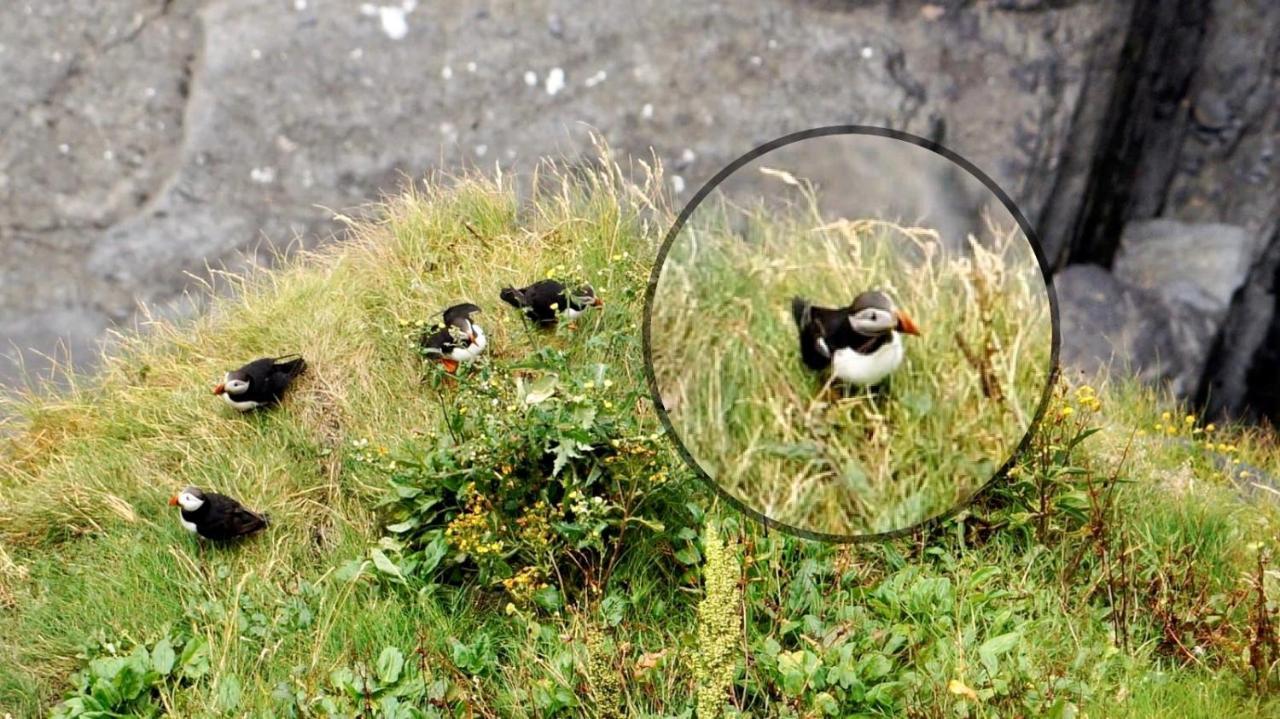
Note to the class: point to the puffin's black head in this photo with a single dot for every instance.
(234, 383)
(190, 499)
(874, 313)
(512, 296)
(584, 297)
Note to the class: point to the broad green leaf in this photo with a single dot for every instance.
(229, 693)
(390, 664)
(990, 651)
(193, 663)
(400, 527)
(613, 607)
(385, 565)
(163, 657)
(541, 390)
(689, 555)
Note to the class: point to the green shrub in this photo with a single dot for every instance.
(545, 470)
(116, 683)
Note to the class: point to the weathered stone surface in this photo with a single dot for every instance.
(146, 138)
(1228, 170)
(1200, 265)
(1240, 378)
(1109, 325)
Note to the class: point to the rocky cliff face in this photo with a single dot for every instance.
(1183, 203)
(147, 138)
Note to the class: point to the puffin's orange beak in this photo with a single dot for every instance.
(173, 501)
(905, 325)
(220, 389)
(598, 302)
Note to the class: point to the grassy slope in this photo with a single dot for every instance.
(758, 420)
(88, 546)
(83, 489)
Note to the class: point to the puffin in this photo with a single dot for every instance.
(457, 340)
(861, 344)
(261, 383)
(545, 300)
(215, 516)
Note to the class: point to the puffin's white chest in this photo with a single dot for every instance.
(571, 313)
(189, 526)
(244, 406)
(867, 369)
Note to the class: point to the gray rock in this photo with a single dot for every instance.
(145, 139)
(1226, 169)
(1108, 325)
(1198, 264)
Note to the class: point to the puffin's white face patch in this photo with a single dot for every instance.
(872, 321)
(867, 369)
(236, 386)
(476, 348)
(190, 502)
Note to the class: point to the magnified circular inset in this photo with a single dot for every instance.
(850, 331)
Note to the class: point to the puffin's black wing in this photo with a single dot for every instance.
(228, 519)
(817, 327)
(539, 301)
(258, 370)
(544, 300)
(283, 371)
(455, 314)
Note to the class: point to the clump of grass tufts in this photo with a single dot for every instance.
(765, 427)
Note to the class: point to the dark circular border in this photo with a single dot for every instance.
(1027, 230)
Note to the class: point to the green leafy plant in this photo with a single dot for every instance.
(393, 686)
(115, 683)
(548, 467)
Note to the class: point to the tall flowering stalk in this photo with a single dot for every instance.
(719, 624)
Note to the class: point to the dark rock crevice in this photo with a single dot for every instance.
(1239, 379)
(1145, 122)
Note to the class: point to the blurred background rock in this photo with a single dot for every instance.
(144, 139)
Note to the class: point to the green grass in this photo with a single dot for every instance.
(769, 431)
(1017, 604)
